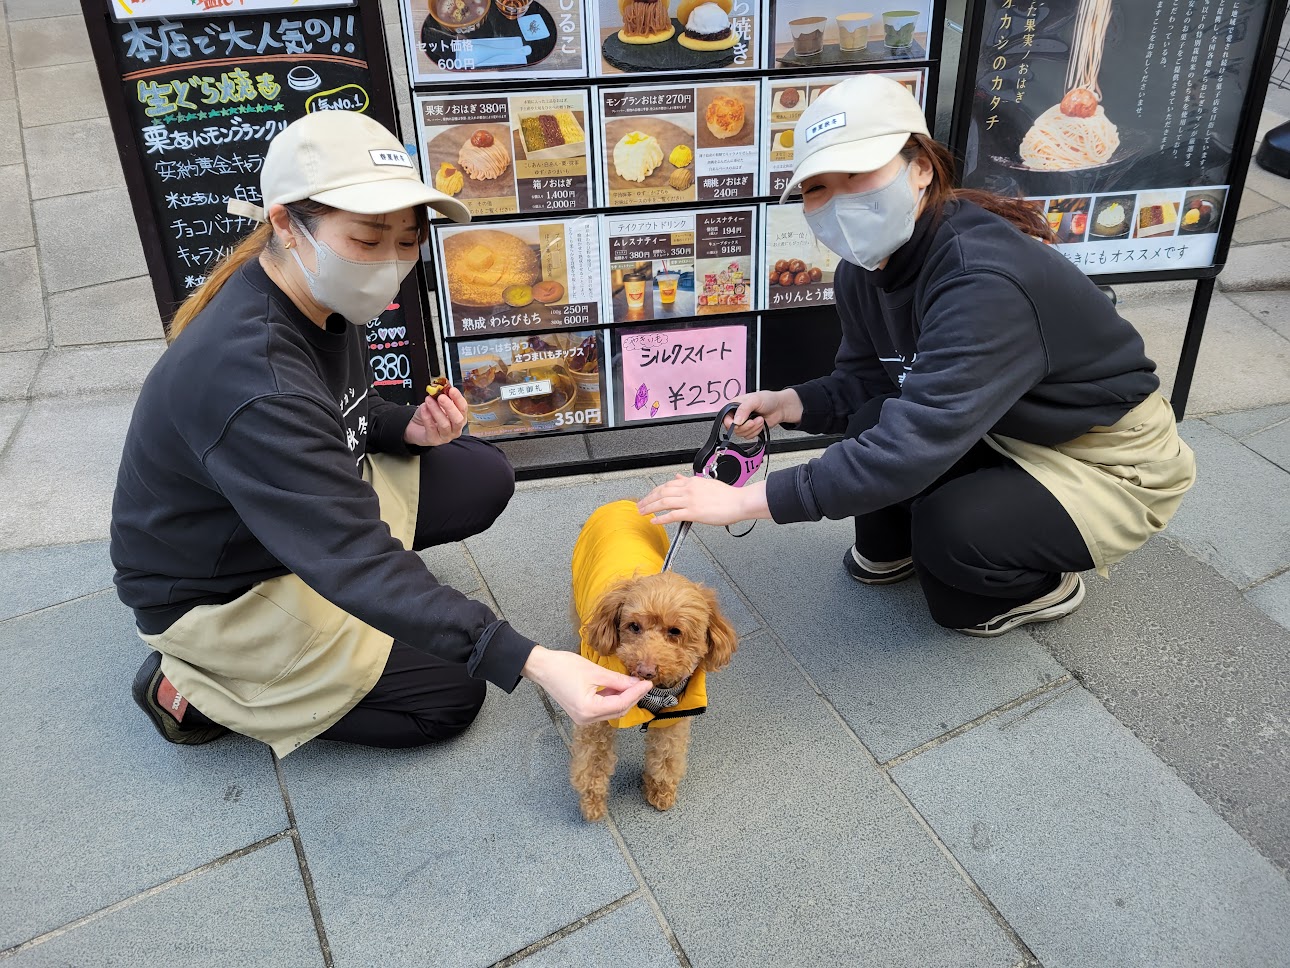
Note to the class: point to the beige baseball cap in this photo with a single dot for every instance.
(857, 125)
(348, 161)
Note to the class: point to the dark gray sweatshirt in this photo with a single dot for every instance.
(243, 463)
(972, 328)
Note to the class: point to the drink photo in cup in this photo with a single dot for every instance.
(845, 34)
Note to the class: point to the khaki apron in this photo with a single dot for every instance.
(1120, 484)
(280, 663)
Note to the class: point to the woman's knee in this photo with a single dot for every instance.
(430, 726)
(492, 479)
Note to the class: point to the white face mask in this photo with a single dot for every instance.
(867, 227)
(359, 291)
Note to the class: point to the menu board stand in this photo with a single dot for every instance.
(674, 248)
(194, 98)
(1181, 88)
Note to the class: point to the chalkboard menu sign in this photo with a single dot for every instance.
(195, 102)
(1120, 120)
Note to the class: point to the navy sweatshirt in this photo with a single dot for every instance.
(972, 328)
(243, 462)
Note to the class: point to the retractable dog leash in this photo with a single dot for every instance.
(727, 459)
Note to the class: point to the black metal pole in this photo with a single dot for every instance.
(1191, 346)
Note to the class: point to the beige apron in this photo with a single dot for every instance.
(280, 663)
(1120, 484)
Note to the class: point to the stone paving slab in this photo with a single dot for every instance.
(1268, 307)
(59, 471)
(10, 137)
(1242, 363)
(10, 415)
(121, 311)
(15, 209)
(40, 577)
(451, 566)
(115, 369)
(22, 324)
(1094, 851)
(52, 95)
(628, 936)
(49, 42)
(896, 677)
(37, 9)
(8, 91)
(1198, 674)
(1243, 423)
(1234, 517)
(1272, 443)
(74, 157)
(96, 807)
(1257, 267)
(454, 855)
(1252, 204)
(1273, 226)
(250, 912)
(17, 370)
(79, 249)
(530, 577)
(787, 847)
(1273, 598)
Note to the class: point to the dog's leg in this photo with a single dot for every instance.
(592, 766)
(665, 760)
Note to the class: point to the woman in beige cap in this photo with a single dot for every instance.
(1003, 428)
(269, 503)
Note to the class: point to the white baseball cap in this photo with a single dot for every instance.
(348, 161)
(855, 126)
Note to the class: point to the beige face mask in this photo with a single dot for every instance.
(359, 291)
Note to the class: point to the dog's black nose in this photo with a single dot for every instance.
(645, 670)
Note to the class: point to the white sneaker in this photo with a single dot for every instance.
(1060, 602)
(876, 572)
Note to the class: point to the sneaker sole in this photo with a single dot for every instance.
(899, 575)
(1049, 613)
(145, 685)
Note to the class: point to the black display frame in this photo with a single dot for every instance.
(1242, 154)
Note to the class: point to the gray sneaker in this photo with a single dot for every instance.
(1058, 603)
(876, 572)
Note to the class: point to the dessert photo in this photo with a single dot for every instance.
(804, 34)
(1202, 211)
(1157, 214)
(493, 38)
(799, 268)
(659, 36)
(652, 153)
(557, 134)
(1112, 217)
(473, 161)
(726, 115)
(723, 285)
(1068, 218)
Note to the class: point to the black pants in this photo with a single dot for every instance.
(421, 698)
(985, 537)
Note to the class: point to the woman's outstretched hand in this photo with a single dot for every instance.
(766, 407)
(439, 420)
(704, 501)
(588, 692)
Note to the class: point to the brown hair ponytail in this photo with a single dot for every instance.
(942, 190)
(249, 248)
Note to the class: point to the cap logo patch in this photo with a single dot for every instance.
(826, 124)
(390, 157)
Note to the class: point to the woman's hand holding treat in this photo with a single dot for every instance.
(439, 420)
(589, 693)
(766, 407)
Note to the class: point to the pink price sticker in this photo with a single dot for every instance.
(683, 372)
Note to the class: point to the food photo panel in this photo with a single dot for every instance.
(675, 36)
(799, 269)
(783, 101)
(531, 383)
(804, 34)
(451, 41)
(501, 154)
(514, 276)
(668, 144)
(674, 265)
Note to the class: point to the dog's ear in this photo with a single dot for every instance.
(601, 627)
(722, 639)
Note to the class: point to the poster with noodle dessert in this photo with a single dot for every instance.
(502, 154)
(1115, 110)
(675, 36)
(530, 384)
(783, 101)
(669, 144)
(513, 276)
(841, 35)
(677, 265)
(798, 267)
(456, 41)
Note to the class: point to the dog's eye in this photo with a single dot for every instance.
(633, 627)
(674, 632)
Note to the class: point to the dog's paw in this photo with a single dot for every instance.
(593, 808)
(661, 796)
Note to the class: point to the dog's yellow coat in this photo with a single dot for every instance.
(618, 542)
